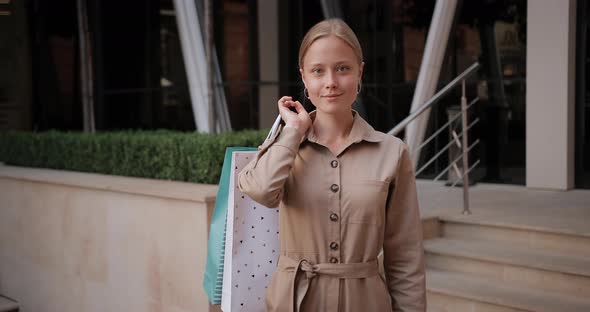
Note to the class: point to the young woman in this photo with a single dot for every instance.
(344, 192)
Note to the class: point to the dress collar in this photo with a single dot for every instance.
(361, 131)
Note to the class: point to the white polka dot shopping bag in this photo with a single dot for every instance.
(243, 241)
(251, 248)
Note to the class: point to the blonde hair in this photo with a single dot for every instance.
(330, 27)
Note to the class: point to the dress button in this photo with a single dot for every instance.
(333, 260)
(334, 163)
(334, 245)
(334, 217)
(334, 188)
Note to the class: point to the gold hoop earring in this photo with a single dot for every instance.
(358, 90)
(305, 92)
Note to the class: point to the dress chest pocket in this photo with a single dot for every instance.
(365, 201)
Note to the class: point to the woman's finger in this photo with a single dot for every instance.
(284, 99)
(299, 107)
(286, 105)
(285, 111)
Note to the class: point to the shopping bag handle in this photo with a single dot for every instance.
(274, 128)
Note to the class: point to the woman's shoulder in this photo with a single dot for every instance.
(390, 140)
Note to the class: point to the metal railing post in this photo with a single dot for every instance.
(465, 170)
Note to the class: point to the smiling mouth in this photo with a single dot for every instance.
(331, 95)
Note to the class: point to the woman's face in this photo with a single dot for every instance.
(331, 74)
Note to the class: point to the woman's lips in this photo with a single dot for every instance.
(331, 96)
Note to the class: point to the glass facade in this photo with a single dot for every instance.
(140, 81)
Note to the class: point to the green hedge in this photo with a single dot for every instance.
(157, 154)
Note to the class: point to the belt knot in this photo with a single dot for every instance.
(300, 283)
(311, 270)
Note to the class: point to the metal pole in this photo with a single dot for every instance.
(85, 67)
(209, 54)
(465, 152)
(430, 68)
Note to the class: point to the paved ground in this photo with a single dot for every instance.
(562, 210)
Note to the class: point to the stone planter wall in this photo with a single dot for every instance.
(87, 242)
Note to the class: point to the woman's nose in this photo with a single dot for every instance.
(330, 81)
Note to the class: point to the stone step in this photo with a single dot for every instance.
(7, 305)
(560, 240)
(569, 274)
(457, 292)
(438, 302)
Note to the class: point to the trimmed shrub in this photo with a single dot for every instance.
(160, 154)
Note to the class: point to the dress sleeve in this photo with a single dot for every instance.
(263, 179)
(402, 246)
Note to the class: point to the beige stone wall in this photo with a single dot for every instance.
(550, 94)
(88, 242)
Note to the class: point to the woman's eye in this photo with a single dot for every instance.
(316, 71)
(343, 68)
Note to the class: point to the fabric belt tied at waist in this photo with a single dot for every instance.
(304, 271)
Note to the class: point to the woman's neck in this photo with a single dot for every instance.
(331, 128)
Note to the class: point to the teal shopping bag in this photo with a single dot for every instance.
(213, 281)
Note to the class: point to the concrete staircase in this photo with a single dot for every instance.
(7, 305)
(478, 265)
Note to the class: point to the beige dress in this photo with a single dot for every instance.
(336, 213)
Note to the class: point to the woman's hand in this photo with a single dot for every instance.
(299, 120)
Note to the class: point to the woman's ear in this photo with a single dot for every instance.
(302, 78)
(361, 70)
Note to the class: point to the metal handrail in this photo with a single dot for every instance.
(442, 150)
(454, 161)
(443, 127)
(464, 75)
(465, 173)
(464, 176)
